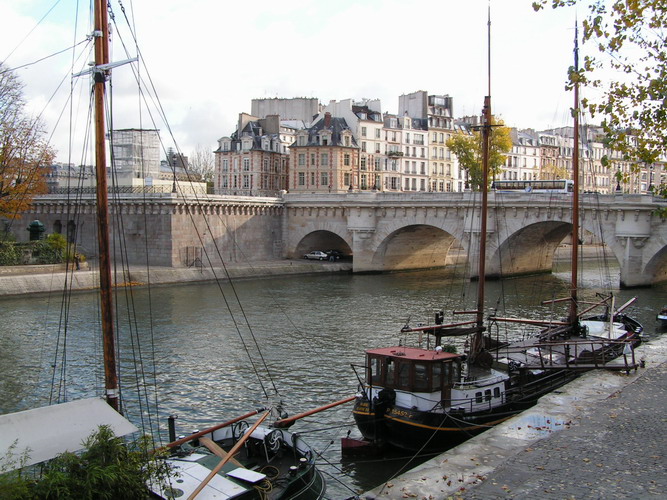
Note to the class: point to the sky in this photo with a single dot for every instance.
(207, 59)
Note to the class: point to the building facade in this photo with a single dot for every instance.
(254, 160)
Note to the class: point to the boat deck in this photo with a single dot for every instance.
(574, 354)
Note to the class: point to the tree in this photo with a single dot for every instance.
(468, 151)
(25, 155)
(202, 163)
(630, 39)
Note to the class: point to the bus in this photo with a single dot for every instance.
(534, 186)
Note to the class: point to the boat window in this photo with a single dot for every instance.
(404, 375)
(487, 395)
(478, 397)
(496, 392)
(389, 377)
(421, 377)
(375, 371)
(436, 370)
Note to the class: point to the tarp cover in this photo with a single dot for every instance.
(44, 433)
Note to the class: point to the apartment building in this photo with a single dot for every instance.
(437, 111)
(325, 158)
(254, 160)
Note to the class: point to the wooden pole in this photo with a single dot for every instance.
(106, 300)
(230, 454)
(284, 422)
(198, 434)
(573, 316)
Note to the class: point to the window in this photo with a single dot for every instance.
(487, 395)
(377, 133)
(312, 178)
(302, 179)
(363, 131)
(478, 397)
(302, 159)
(363, 146)
(364, 181)
(346, 159)
(375, 371)
(403, 375)
(347, 140)
(346, 179)
(362, 166)
(324, 159)
(246, 164)
(246, 181)
(421, 379)
(266, 165)
(390, 373)
(225, 165)
(324, 179)
(496, 392)
(377, 147)
(312, 159)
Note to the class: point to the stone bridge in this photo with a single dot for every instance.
(382, 231)
(385, 231)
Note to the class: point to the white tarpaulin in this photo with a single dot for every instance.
(46, 432)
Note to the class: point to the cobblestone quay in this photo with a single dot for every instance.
(616, 450)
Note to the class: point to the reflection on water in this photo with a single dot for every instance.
(307, 331)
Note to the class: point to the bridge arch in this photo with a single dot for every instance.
(321, 239)
(414, 246)
(528, 250)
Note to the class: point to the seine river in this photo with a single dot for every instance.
(207, 367)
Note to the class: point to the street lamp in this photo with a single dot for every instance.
(618, 181)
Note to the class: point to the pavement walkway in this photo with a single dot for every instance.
(603, 436)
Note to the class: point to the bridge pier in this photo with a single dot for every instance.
(632, 265)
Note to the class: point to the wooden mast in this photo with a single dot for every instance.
(101, 34)
(575, 195)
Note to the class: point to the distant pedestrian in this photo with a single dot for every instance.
(77, 261)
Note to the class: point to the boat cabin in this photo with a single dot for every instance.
(412, 369)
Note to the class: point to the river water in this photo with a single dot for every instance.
(200, 361)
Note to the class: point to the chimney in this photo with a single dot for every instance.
(327, 119)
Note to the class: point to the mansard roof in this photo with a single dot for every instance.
(336, 126)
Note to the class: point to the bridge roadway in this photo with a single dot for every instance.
(382, 231)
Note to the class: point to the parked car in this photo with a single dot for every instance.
(316, 255)
(334, 255)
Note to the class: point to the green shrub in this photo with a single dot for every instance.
(51, 250)
(10, 254)
(108, 468)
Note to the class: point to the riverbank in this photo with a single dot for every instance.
(21, 280)
(601, 436)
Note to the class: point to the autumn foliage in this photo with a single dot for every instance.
(25, 155)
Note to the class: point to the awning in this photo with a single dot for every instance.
(44, 433)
